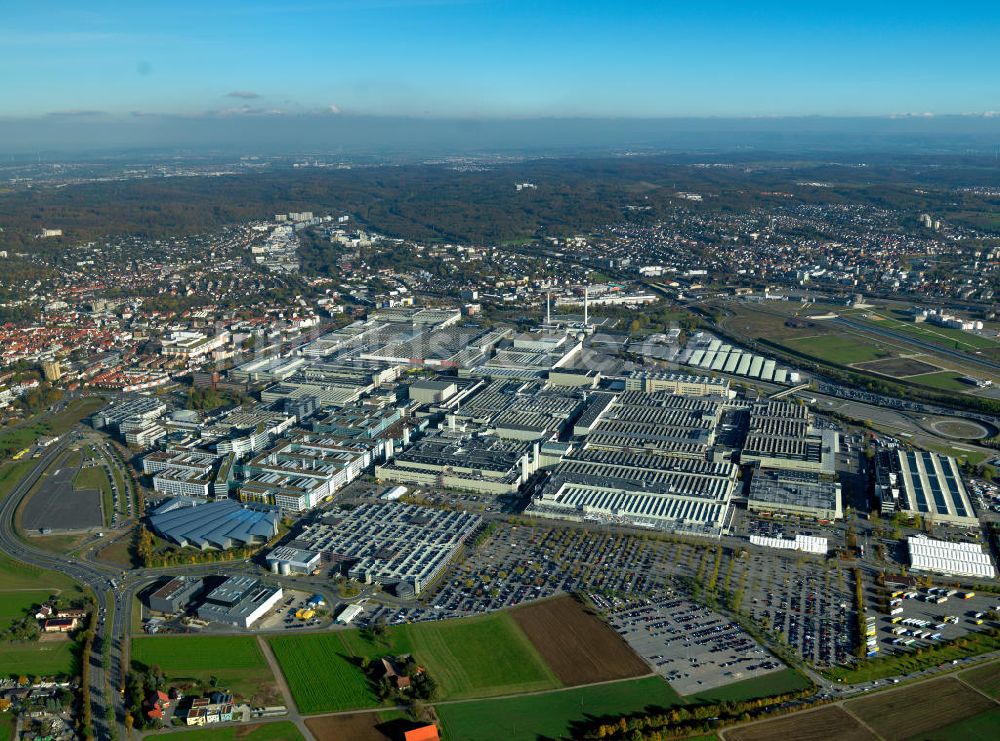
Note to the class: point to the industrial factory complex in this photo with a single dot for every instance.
(423, 402)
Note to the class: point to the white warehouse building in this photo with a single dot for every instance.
(945, 557)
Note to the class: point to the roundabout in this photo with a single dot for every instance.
(959, 429)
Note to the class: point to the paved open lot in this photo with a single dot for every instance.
(921, 617)
(293, 612)
(692, 647)
(522, 563)
(58, 506)
(811, 603)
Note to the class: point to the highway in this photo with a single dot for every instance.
(929, 346)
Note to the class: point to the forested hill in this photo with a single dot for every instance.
(435, 202)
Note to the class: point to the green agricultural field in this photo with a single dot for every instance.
(236, 662)
(776, 323)
(38, 658)
(984, 678)
(961, 452)
(981, 727)
(21, 588)
(60, 543)
(75, 411)
(13, 439)
(787, 680)
(843, 349)
(477, 657)
(551, 714)
(18, 437)
(15, 605)
(92, 477)
(16, 576)
(7, 727)
(945, 380)
(11, 472)
(279, 731)
(321, 674)
(473, 657)
(21, 582)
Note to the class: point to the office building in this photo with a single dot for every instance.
(175, 595)
(239, 601)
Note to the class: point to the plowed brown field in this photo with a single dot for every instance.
(578, 646)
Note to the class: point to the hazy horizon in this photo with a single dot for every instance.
(352, 135)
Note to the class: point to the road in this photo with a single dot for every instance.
(91, 575)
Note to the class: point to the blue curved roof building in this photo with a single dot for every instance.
(222, 524)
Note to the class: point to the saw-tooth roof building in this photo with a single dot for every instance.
(398, 545)
(660, 422)
(639, 489)
(781, 436)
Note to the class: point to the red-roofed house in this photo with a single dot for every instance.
(422, 733)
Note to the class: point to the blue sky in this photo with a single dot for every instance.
(498, 59)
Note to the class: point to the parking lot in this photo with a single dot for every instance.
(519, 563)
(57, 505)
(922, 617)
(691, 646)
(808, 601)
